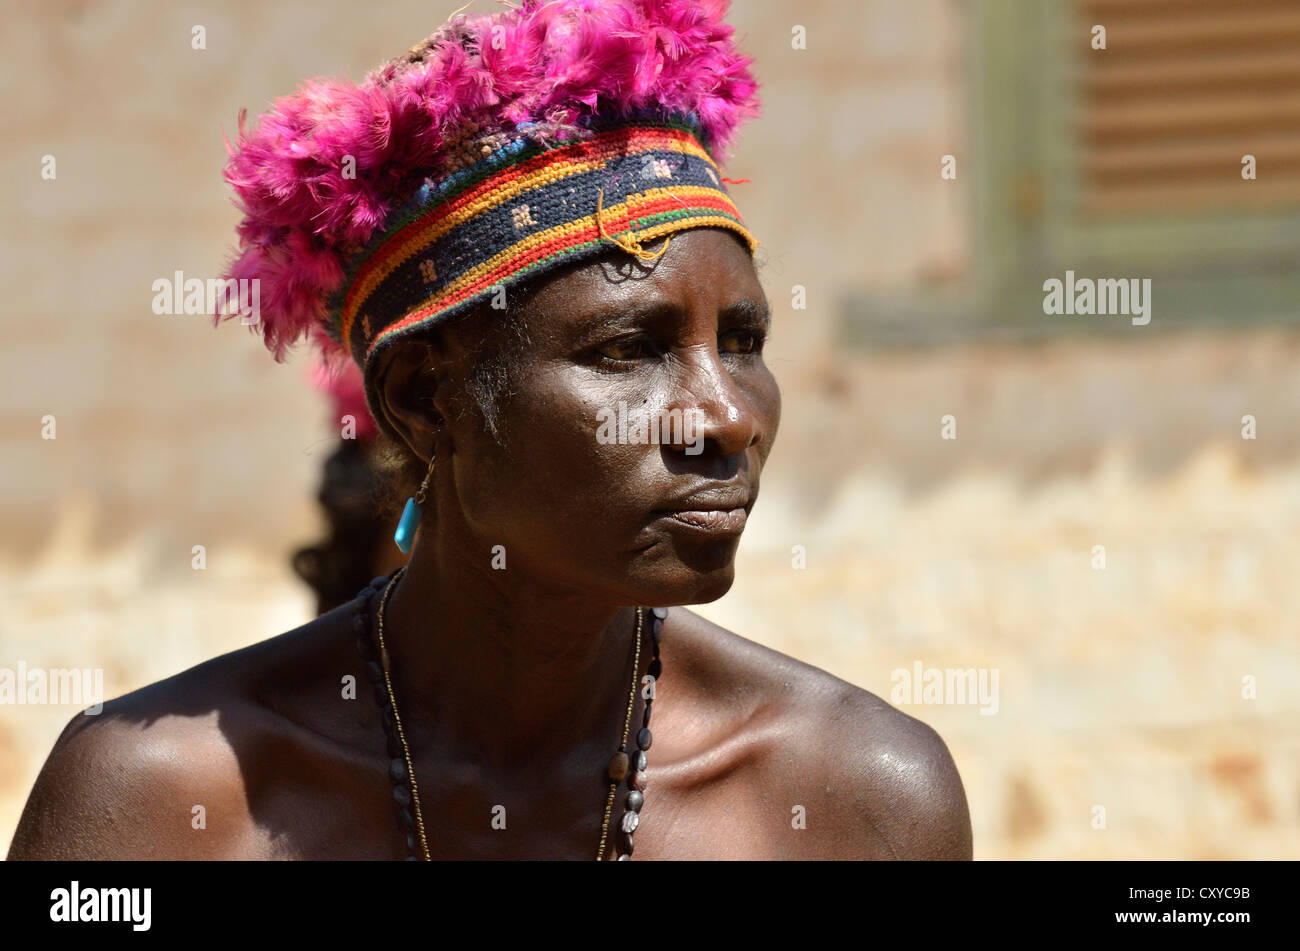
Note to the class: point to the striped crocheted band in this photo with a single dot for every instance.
(520, 211)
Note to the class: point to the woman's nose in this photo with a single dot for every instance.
(712, 407)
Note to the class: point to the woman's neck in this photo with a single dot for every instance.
(501, 667)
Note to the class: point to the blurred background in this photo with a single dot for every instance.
(1161, 688)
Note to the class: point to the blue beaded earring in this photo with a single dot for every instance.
(405, 533)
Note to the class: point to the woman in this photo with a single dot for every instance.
(519, 232)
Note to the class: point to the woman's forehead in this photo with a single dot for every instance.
(703, 269)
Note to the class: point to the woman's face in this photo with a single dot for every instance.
(578, 503)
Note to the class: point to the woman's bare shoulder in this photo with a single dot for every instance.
(159, 772)
(881, 783)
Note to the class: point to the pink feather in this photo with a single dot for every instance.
(552, 62)
(342, 382)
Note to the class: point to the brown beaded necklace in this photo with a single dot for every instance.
(401, 769)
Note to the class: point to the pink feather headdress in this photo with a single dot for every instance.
(321, 175)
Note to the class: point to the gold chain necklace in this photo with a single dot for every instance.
(384, 659)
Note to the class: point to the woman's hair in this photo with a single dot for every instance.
(366, 481)
(497, 341)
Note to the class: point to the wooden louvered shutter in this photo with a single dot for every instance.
(1126, 162)
(1184, 90)
(1120, 163)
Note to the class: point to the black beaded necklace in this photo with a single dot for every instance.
(401, 769)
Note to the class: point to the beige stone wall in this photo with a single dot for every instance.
(1119, 688)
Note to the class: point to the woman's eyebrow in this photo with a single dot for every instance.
(747, 311)
(633, 313)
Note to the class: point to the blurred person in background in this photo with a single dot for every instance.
(358, 514)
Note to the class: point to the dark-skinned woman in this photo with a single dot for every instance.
(520, 233)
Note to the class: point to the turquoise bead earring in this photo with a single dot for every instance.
(405, 533)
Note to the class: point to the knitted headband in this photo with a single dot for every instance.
(501, 148)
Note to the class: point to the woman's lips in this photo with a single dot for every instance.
(714, 521)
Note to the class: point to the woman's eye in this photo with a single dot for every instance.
(739, 342)
(742, 341)
(632, 348)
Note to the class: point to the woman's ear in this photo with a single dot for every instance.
(411, 394)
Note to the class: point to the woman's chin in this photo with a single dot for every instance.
(691, 587)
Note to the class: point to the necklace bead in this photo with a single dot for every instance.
(618, 764)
